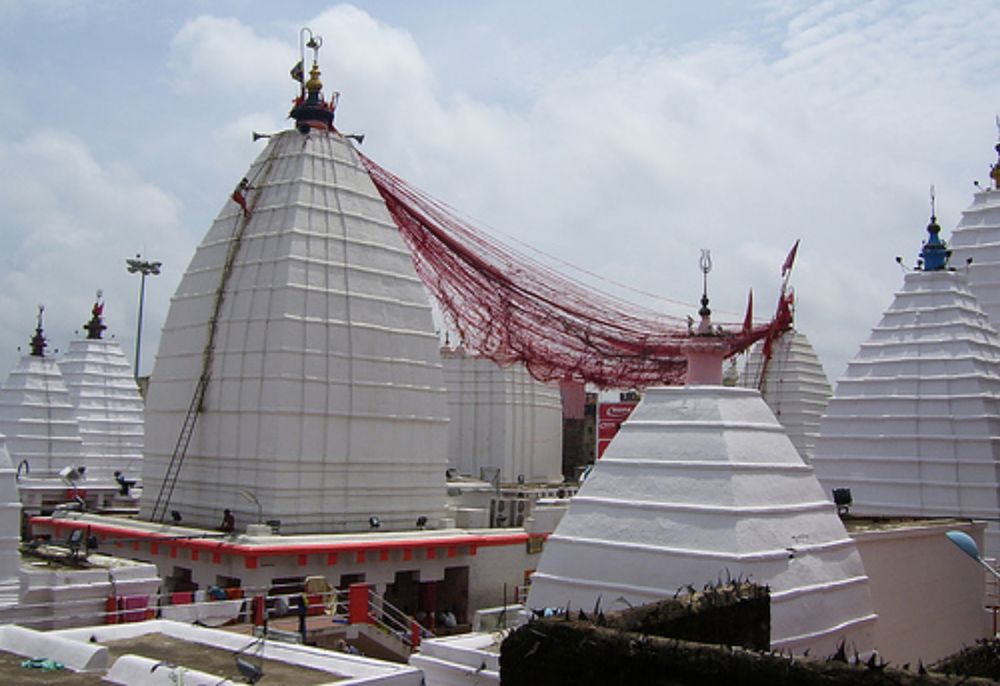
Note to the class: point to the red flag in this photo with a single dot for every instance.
(748, 318)
(787, 266)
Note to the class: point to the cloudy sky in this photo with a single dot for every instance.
(621, 139)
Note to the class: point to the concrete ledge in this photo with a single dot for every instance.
(135, 669)
(75, 655)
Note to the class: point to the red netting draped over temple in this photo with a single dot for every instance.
(511, 308)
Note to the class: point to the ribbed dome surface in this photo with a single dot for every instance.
(501, 418)
(326, 399)
(978, 236)
(107, 405)
(700, 483)
(914, 425)
(38, 419)
(794, 386)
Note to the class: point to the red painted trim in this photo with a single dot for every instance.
(360, 557)
(452, 552)
(194, 554)
(154, 548)
(216, 557)
(331, 559)
(303, 560)
(252, 553)
(383, 555)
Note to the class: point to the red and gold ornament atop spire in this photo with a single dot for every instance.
(311, 110)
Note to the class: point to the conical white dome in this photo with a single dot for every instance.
(794, 386)
(326, 399)
(702, 482)
(38, 419)
(977, 236)
(502, 418)
(107, 405)
(912, 428)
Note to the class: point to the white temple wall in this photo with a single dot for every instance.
(77, 597)
(501, 418)
(928, 595)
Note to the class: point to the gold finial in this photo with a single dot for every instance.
(314, 85)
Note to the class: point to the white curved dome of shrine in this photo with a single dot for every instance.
(501, 418)
(794, 386)
(702, 483)
(325, 399)
(107, 405)
(912, 427)
(977, 236)
(38, 419)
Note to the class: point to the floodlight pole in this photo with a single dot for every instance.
(144, 268)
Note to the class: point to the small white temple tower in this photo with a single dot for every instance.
(37, 416)
(914, 424)
(977, 238)
(793, 384)
(501, 418)
(107, 403)
(700, 484)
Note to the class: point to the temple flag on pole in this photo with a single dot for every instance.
(298, 72)
(790, 260)
(748, 318)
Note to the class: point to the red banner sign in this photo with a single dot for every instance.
(610, 417)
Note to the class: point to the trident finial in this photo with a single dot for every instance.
(705, 262)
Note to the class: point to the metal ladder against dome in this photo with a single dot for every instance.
(166, 491)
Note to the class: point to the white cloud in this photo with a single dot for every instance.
(829, 128)
(634, 160)
(70, 222)
(224, 56)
